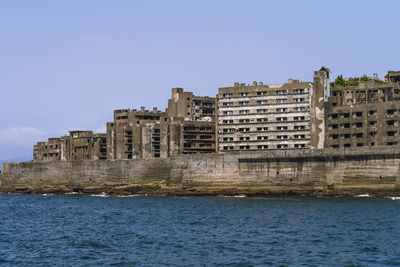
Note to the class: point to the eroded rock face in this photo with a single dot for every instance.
(330, 172)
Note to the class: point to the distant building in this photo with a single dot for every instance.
(79, 145)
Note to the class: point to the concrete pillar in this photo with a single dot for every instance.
(319, 96)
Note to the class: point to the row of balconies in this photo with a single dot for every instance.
(262, 147)
(260, 103)
(284, 92)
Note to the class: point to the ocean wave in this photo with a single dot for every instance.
(394, 198)
(363, 195)
(103, 194)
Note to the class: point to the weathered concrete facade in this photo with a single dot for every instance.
(79, 145)
(191, 137)
(262, 117)
(191, 128)
(193, 108)
(364, 115)
(137, 134)
(319, 98)
(187, 127)
(327, 171)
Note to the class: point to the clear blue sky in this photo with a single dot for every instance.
(68, 64)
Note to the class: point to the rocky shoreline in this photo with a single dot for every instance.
(163, 190)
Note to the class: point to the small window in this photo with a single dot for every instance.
(334, 136)
(282, 137)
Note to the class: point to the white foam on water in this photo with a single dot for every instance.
(394, 198)
(131, 196)
(99, 195)
(47, 194)
(240, 196)
(363, 195)
(73, 193)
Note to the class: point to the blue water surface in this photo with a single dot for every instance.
(77, 230)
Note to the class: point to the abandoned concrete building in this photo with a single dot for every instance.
(259, 116)
(137, 134)
(366, 114)
(190, 107)
(186, 127)
(191, 128)
(292, 115)
(79, 145)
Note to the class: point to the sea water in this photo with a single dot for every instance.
(93, 230)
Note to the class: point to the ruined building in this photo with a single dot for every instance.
(293, 115)
(191, 127)
(186, 127)
(79, 145)
(137, 134)
(365, 114)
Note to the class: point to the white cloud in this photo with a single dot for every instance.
(22, 136)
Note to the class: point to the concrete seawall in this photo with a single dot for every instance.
(354, 171)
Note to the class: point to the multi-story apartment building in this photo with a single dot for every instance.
(191, 107)
(79, 145)
(137, 134)
(53, 149)
(191, 137)
(259, 116)
(186, 127)
(191, 127)
(366, 114)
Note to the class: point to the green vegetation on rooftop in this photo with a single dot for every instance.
(352, 81)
